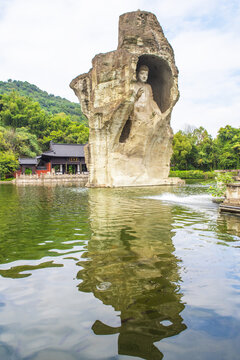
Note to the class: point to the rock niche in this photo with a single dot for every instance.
(128, 96)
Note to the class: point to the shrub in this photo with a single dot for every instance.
(8, 164)
(28, 171)
(219, 188)
(192, 174)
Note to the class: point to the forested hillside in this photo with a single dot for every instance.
(48, 102)
(26, 130)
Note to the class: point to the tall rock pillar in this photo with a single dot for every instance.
(128, 97)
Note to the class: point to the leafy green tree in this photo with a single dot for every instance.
(195, 149)
(219, 189)
(182, 147)
(3, 143)
(77, 133)
(204, 148)
(227, 146)
(19, 112)
(19, 141)
(8, 164)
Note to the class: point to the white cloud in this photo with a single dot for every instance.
(208, 61)
(183, 8)
(50, 42)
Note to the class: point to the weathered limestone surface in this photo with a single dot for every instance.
(130, 140)
(233, 194)
(232, 202)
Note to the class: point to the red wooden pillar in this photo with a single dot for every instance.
(48, 166)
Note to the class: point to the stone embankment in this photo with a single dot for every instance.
(232, 202)
(43, 179)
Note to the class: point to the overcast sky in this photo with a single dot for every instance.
(49, 42)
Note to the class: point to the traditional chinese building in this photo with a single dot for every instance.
(28, 163)
(61, 158)
(64, 158)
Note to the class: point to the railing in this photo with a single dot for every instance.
(50, 177)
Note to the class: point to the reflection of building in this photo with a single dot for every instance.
(229, 224)
(130, 265)
(63, 158)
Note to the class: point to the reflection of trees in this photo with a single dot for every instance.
(130, 265)
(37, 222)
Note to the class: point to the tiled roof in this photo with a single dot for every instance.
(65, 150)
(28, 161)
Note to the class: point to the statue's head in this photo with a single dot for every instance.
(142, 74)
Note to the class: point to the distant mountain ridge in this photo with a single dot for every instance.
(51, 103)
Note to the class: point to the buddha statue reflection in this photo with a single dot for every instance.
(130, 265)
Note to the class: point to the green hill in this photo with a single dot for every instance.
(48, 102)
(26, 127)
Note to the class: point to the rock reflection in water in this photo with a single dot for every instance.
(130, 265)
(228, 225)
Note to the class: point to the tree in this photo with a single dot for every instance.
(8, 164)
(19, 141)
(195, 149)
(18, 111)
(21, 112)
(219, 189)
(204, 148)
(182, 147)
(227, 146)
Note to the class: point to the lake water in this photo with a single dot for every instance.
(145, 273)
